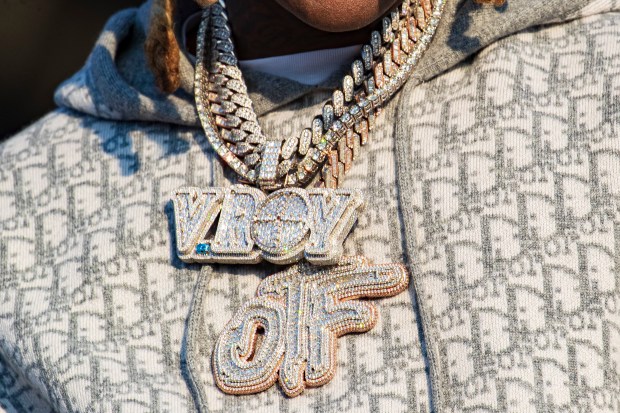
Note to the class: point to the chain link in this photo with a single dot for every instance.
(323, 153)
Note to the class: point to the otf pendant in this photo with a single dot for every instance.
(282, 228)
(288, 332)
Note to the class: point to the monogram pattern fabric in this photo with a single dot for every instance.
(514, 216)
(92, 312)
(497, 182)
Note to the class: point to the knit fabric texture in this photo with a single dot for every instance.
(493, 175)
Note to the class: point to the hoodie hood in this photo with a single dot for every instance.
(116, 83)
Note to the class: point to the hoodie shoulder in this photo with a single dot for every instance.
(115, 82)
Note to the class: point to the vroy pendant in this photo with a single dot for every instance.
(282, 228)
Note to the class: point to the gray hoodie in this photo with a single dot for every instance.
(493, 175)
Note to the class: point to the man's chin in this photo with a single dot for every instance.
(337, 15)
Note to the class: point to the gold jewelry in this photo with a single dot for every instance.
(289, 330)
(335, 136)
(299, 315)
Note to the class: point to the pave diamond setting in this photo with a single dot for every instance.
(230, 123)
(282, 228)
(289, 331)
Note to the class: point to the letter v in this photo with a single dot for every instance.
(195, 211)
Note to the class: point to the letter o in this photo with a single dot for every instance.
(281, 225)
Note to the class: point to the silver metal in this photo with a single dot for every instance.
(338, 100)
(348, 87)
(357, 68)
(281, 225)
(317, 130)
(335, 213)
(232, 242)
(290, 147)
(305, 140)
(367, 57)
(269, 164)
(224, 106)
(289, 225)
(328, 116)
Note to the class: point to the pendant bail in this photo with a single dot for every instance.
(267, 174)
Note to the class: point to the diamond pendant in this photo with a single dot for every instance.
(242, 225)
(289, 331)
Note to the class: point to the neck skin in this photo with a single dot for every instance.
(263, 28)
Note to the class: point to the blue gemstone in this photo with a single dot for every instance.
(202, 249)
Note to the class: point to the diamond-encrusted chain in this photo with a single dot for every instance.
(324, 152)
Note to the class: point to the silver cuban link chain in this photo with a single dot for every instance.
(324, 152)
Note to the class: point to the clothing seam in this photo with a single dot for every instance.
(195, 313)
(435, 399)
